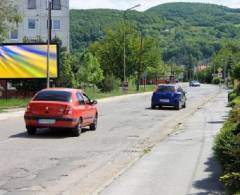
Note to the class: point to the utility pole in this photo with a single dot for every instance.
(49, 39)
(140, 63)
(124, 47)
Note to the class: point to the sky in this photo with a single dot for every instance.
(145, 4)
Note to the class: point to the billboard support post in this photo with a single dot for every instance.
(49, 39)
(6, 89)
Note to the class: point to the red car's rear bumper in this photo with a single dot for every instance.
(60, 122)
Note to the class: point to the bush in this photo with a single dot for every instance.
(237, 88)
(110, 83)
(235, 114)
(227, 150)
(216, 80)
(232, 182)
(227, 147)
(231, 96)
(235, 101)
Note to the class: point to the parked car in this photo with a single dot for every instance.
(194, 84)
(169, 95)
(61, 108)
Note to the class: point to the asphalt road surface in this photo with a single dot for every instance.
(181, 164)
(53, 162)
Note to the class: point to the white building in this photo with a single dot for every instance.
(34, 25)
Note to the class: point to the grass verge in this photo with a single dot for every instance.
(93, 93)
(12, 103)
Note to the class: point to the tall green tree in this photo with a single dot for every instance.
(90, 71)
(141, 51)
(66, 75)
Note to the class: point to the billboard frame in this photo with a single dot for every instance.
(38, 43)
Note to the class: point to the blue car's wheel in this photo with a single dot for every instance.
(153, 106)
(184, 105)
(178, 106)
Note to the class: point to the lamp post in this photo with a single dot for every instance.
(124, 41)
(49, 39)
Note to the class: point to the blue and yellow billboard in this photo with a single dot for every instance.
(24, 61)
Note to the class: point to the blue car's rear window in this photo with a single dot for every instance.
(163, 89)
(59, 96)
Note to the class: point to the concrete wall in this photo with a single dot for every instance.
(40, 15)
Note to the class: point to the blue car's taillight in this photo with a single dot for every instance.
(177, 95)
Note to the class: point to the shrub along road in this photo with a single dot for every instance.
(53, 162)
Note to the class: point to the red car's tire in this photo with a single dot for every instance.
(31, 130)
(77, 130)
(93, 126)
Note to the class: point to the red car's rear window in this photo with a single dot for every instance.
(58, 96)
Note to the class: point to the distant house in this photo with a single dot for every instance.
(34, 26)
(201, 67)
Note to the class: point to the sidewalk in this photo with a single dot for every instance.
(183, 163)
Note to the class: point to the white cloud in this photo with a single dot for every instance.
(145, 4)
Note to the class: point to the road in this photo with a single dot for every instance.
(181, 164)
(56, 163)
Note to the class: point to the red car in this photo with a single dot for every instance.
(61, 108)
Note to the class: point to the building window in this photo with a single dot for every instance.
(56, 4)
(14, 34)
(56, 25)
(31, 24)
(32, 4)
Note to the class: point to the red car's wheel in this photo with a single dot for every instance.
(93, 126)
(77, 130)
(31, 130)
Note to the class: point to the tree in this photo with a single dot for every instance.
(149, 58)
(109, 50)
(236, 72)
(141, 52)
(9, 17)
(227, 59)
(90, 71)
(66, 75)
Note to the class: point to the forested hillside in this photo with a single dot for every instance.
(197, 14)
(88, 25)
(187, 32)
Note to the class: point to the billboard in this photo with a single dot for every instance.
(26, 61)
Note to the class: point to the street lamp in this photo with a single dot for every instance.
(124, 41)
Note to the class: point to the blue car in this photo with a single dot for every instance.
(169, 95)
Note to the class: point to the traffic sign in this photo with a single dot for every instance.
(219, 70)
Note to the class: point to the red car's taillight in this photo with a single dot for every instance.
(28, 109)
(68, 110)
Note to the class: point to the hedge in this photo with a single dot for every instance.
(227, 149)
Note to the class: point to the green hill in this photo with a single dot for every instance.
(198, 14)
(86, 26)
(186, 31)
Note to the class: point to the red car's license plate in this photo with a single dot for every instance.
(46, 121)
